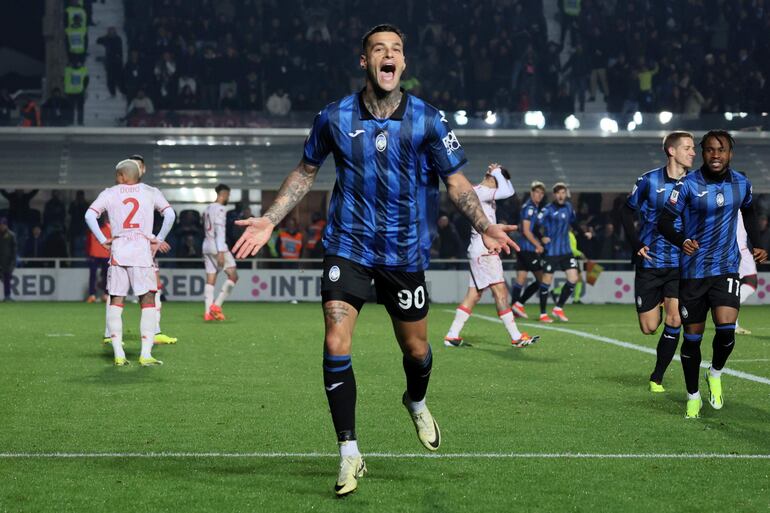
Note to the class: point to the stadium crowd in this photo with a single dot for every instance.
(694, 56)
(237, 57)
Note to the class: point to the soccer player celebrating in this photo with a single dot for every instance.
(555, 220)
(486, 269)
(132, 247)
(709, 198)
(377, 217)
(655, 258)
(216, 255)
(530, 258)
(747, 271)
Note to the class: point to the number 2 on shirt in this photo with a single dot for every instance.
(135, 206)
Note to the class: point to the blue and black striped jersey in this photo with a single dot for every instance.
(555, 221)
(710, 208)
(529, 212)
(649, 197)
(378, 214)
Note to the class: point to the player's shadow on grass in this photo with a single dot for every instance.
(519, 354)
(112, 375)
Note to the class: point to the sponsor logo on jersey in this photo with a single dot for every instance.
(451, 143)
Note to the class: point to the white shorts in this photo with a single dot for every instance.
(139, 279)
(210, 261)
(748, 265)
(486, 270)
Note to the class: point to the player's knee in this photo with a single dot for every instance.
(499, 292)
(417, 352)
(673, 319)
(337, 342)
(647, 328)
(233, 276)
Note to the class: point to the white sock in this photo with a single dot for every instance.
(115, 329)
(696, 395)
(349, 448)
(510, 324)
(147, 325)
(106, 318)
(226, 289)
(461, 315)
(715, 373)
(157, 311)
(415, 406)
(746, 292)
(208, 296)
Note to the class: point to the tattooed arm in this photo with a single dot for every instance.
(292, 190)
(465, 199)
(259, 229)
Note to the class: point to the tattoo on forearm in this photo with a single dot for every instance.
(468, 203)
(293, 189)
(336, 312)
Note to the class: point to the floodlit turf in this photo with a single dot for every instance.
(253, 384)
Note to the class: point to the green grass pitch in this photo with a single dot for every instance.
(253, 384)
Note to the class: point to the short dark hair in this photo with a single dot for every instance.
(672, 139)
(137, 157)
(385, 27)
(221, 187)
(719, 135)
(559, 186)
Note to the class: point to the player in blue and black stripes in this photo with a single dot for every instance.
(709, 198)
(553, 223)
(530, 258)
(390, 150)
(656, 259)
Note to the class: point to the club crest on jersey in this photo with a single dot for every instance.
(674, 197)
(334, 273)
(685, 313)
(451, 143)
(720, 199)
(381, 142)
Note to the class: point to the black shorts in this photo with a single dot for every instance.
(652, 285)
(698, 296)
(551, 264)
(403, 293)
(529, 261)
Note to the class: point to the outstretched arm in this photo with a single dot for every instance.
(752, 232)
(463, 196)
(259, 229)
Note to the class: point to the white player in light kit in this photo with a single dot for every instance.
(130, 205)
(486, 271)
(216, 255)
(160, 337)
(747, 271)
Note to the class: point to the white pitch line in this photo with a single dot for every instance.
(627, 345)
(750, 361)
(383, 455)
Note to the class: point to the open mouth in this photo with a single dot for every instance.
(387, 72)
